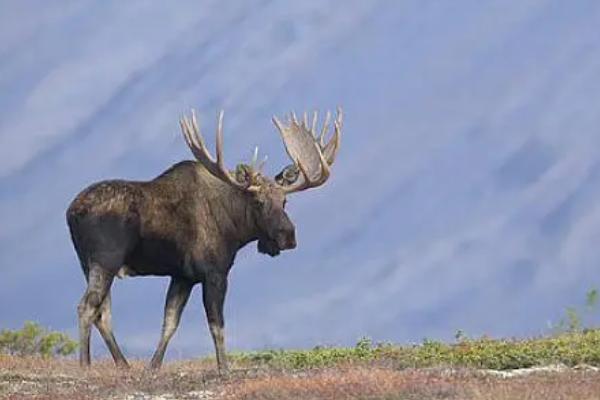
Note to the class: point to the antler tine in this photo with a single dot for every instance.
(340, 115)
(313, 127)
(184, 129)
(197, 136)
(277, 123)
(325, 129)
(254, 157)
(220, 161)
(261, 165)
(194, 139)
(195, 142)
(254, 164)
(331, 148)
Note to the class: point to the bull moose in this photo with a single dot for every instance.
(188, 223)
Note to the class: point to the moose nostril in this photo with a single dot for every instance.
(286, 239)
(291, 240)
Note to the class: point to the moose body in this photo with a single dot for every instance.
(176, 225)
(188, 224)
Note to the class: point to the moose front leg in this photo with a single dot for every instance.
(213, 295)
(177, 297)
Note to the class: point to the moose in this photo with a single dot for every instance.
(188, 224)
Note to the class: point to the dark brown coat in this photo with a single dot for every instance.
(188, 223)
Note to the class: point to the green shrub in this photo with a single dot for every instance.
(573, 321)
(570, 348)
(33, 339)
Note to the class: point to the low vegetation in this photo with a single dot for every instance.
(562, 365)
(33, 339)
(570, 349)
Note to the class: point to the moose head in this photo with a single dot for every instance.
(311, 154)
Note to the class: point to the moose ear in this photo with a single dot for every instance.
(288, 175)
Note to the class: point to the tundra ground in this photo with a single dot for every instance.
(35, 378)
(561, 366)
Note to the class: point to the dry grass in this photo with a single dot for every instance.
(35, 378)
(345, 383)
(381, 384)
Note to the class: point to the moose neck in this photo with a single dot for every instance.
(236, 220)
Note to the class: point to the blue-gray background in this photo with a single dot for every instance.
(465, 195)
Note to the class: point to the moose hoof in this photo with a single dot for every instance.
(123, 365)
(155, 365)
(223, 371)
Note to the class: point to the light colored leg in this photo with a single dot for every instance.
(177, 297)
(99, 282)
(213, 295)
(104, 325)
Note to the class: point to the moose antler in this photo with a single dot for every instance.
(195, 142)
(308, 150)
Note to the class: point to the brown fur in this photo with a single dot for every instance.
(185, 224)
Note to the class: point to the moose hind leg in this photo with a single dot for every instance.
(99, 281)
(177, 297)
(213, 295)
(104, 325)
